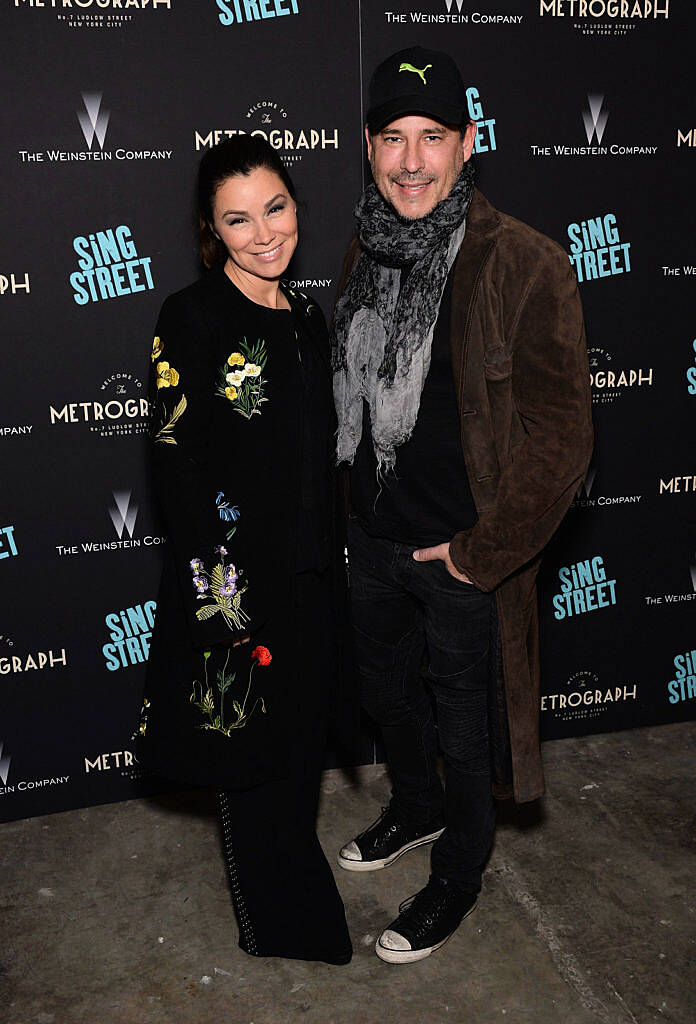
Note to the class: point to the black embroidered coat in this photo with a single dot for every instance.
(231, 394)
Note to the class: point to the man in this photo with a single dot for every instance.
(462, 390)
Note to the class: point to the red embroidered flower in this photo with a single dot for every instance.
(262, 655)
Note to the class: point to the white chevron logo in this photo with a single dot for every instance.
(595, 118)
(693, 572)
(93, 120)
(588, 482)
(459, 3)
(4, 765)
(123, 513)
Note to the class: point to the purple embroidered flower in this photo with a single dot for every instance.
(196, 565)
(229, 589)
(221, 550)
(200, 583)
(231, 574)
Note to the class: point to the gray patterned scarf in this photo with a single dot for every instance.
(382, 336)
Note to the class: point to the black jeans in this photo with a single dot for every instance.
(405, 614)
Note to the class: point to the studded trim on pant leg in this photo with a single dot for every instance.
(245, 926)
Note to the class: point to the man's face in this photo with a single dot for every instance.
(415, 162)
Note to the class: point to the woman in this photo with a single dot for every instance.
(236, 693)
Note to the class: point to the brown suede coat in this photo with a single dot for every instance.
(519, 359)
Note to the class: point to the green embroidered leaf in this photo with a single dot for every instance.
(236, 618)
(164, 434)
(216, 578)
(250, 389)
(207, 611)
(179, 410)
(224, 682)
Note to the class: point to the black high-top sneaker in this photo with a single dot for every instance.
(425, 922)
(384, 842)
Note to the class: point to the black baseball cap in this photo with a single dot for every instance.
(416, 81)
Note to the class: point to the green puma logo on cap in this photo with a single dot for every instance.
(417, 71)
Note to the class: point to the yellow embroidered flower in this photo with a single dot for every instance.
(156, 349)
(231, 393)
(236, 359)
(167, 376)
(252, 370)
(236, 378)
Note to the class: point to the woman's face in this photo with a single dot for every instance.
(256, 221)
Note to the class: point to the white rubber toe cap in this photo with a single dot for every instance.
(350, 852)
(392, 940)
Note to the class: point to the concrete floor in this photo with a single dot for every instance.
(120, 914)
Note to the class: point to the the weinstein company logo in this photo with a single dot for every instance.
(688, 596)
(455, 16)
(583, 499)
(4, 765)
(123, 513)
(595, 118)
(588, 482)
(93, 120)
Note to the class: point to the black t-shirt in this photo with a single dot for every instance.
(426, 498)
(312, 550)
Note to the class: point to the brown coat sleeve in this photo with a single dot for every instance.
(551, 393)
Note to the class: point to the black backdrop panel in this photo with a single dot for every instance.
(586, 131)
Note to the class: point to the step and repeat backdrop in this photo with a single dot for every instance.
(587, 131)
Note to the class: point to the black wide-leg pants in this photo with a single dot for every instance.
(283, 889)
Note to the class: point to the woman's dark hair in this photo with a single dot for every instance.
(241, 154)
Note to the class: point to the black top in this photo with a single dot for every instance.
(312, 547)
(426, 499)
